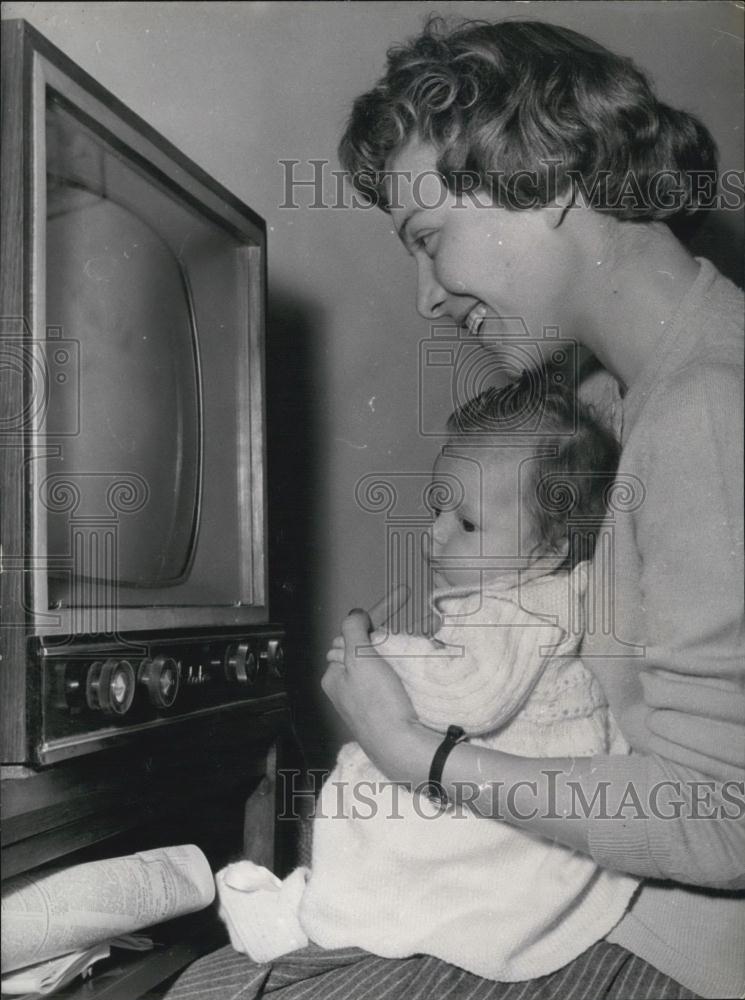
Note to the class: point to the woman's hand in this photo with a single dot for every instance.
(366, 692)
(369, 696)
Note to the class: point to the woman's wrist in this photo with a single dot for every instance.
(534, 794)
(407, 755)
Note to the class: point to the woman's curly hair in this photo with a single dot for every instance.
(525, 110)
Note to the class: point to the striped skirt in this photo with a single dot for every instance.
(603, 971)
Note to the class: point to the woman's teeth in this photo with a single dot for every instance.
(475, 319)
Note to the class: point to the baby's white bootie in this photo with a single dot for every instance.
(261, 911)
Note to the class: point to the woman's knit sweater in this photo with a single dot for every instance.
(669, 655)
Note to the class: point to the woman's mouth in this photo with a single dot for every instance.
(474, 319)
(492, 328)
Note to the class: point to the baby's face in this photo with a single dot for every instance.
(482, 527)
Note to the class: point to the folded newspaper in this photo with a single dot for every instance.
(48, 977)
(58, 912)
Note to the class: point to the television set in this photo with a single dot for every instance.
(132, 431)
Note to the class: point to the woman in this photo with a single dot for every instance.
(528, 171)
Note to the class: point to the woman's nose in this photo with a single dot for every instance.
(431, 296)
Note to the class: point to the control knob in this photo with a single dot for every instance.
(274, 657)
(70, 686)
(240, 664)
(161, 678)
(110, 687)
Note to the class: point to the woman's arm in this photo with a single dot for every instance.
(563, 799)
(479, 669)
(687, 720)
(529, 792)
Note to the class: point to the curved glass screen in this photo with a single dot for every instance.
(123, 373)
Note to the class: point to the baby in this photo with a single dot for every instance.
(394, 872)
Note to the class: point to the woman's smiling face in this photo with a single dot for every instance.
(479, 264)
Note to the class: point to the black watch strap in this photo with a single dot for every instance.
(435, 789)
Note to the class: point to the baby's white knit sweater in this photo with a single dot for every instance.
(392, 876)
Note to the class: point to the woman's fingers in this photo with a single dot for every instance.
(362, 622)
(335, 654)
(392, 602)
(331, 680)
(358, 614)
(356, 632)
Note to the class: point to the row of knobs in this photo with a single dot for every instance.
(242, 667)
(110, 685)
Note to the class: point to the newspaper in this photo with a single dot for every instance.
(49, 977)
(53, 913)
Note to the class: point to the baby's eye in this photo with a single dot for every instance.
(468, 525)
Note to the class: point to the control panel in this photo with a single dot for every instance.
(95, 693)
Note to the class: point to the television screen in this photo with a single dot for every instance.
(147, 333)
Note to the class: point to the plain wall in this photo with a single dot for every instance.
(241, 86)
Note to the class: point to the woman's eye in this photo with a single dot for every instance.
(468, 525)
(436, 511)
(425, 242)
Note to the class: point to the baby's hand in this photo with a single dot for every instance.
(336, 653)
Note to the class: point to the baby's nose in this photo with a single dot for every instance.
(441, 528)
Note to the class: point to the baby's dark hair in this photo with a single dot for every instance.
(528, 111)
(576, 459)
